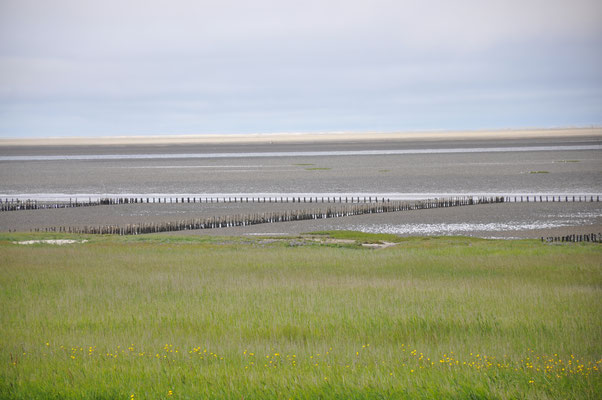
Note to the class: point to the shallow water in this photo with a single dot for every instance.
(517, 218)
(457, 229)
(331, 153)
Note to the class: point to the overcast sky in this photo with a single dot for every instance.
(80, 68)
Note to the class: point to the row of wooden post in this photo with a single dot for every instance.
(17, 204)
(28, 204)
(551, 199)
(590, 237)
(271, 217)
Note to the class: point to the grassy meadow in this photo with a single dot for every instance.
(166, 317)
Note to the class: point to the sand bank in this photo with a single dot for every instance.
(296, 137)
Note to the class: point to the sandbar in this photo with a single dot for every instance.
(300, 137)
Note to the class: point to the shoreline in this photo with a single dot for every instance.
(290, 138)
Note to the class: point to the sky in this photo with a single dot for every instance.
(114, 68)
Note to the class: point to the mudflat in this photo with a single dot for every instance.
(471, 167)
(395, 166)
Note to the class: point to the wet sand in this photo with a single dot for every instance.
(419, 174)
(560, 171)
(505, 221)
(123, 214)
(508, 220)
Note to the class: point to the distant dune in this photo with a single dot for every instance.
(266, 138)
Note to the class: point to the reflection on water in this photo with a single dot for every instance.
(555, 221)
(299, 153)
(453, 229)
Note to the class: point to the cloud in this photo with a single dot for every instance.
(141, 66)
(146, 27)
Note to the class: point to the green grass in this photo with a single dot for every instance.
(215, 317)
(310, 168)
(359, 237)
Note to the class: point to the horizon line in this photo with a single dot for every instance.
(300, 136)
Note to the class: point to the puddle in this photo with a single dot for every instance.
(451, 229)
(51, 241)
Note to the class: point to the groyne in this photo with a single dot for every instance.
(334, 211)
(589, 237)
(16, 204)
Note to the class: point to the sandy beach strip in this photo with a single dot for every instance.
(298, 137)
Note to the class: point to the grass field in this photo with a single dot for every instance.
(186, 318)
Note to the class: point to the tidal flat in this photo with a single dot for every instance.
(414, 169)
(437, 168)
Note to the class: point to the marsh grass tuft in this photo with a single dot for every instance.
(360, 237)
